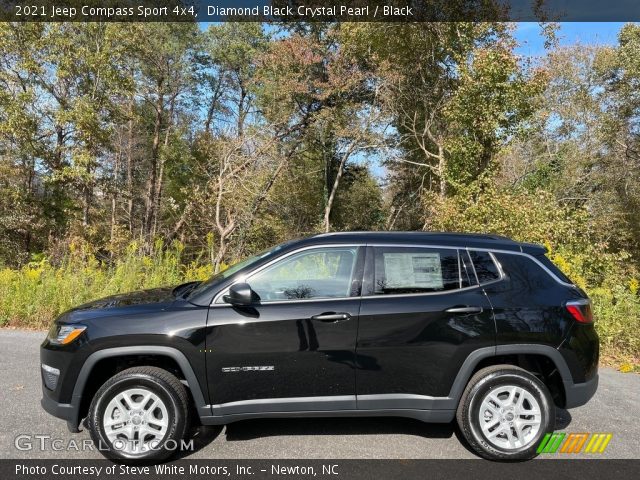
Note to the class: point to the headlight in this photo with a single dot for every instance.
(65, 334)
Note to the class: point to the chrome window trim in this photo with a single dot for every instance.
(491, 252)
(423, 294)
(473, 268)
(283, 257)
(498, 267)
(281, 302)
(493, 259)
(496, 263)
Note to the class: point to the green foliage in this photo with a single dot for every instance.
(617, 313)
(492, 101)
(35, 294)
(359, 205)
(574, 245)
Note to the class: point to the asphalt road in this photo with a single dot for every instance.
(615, 409)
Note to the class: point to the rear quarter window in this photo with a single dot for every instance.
(527, 277)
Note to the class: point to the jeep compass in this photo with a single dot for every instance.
(437, 327)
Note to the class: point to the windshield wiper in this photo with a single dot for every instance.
(181, 291)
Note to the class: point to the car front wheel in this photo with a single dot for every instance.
(140, 414)
(504, 413)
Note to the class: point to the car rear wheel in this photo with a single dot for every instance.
(504, 413)
(140, 414)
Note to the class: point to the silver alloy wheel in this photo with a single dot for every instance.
(510, 417)
(135, 421)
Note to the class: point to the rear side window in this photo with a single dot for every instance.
(554, 269)
(416, 270)
(486, 268)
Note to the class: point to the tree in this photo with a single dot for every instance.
(620, 70)
(583, 140)
(164, 56)
(69, 105)
(456, 92)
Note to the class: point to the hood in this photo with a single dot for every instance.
(124, 304)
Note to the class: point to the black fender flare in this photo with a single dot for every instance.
(203, 408)
(472, 360)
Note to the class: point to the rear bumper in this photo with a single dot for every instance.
(581, 352)
(577, 394)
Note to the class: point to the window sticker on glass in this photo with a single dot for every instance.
(421, 270)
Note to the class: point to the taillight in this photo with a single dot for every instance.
(580, 310)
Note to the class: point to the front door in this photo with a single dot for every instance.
(422, 313)
(294, 349)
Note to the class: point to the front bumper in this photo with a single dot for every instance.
(65, 411)
(577, 394)
(58, 371)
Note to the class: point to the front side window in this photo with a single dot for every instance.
(218, 277)
(316, 273)
(416, 270)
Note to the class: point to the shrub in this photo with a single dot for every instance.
(35, 294)
(574, 244)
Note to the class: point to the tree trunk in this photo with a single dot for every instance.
(114, 193)
(153, 173)
(180, 223)
(87, 194)
(442, 172)
(160, 183)
(334, 188)
(59, 147)
(212, 108)
(130, 168)
(224, 229)
(57, 192)
(241, 111)
(219, 257)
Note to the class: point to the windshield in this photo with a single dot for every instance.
(233, 269)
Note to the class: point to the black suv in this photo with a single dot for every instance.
(432, 326)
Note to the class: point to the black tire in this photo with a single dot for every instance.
(492, 378)
(166, 387)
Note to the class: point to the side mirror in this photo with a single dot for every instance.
(240, 294)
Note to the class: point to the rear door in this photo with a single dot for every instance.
(294, 349)
(422, 313)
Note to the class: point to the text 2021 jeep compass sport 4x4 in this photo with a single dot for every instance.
(423, 325)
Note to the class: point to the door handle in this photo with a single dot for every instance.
(464, 310)
(331, 317)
